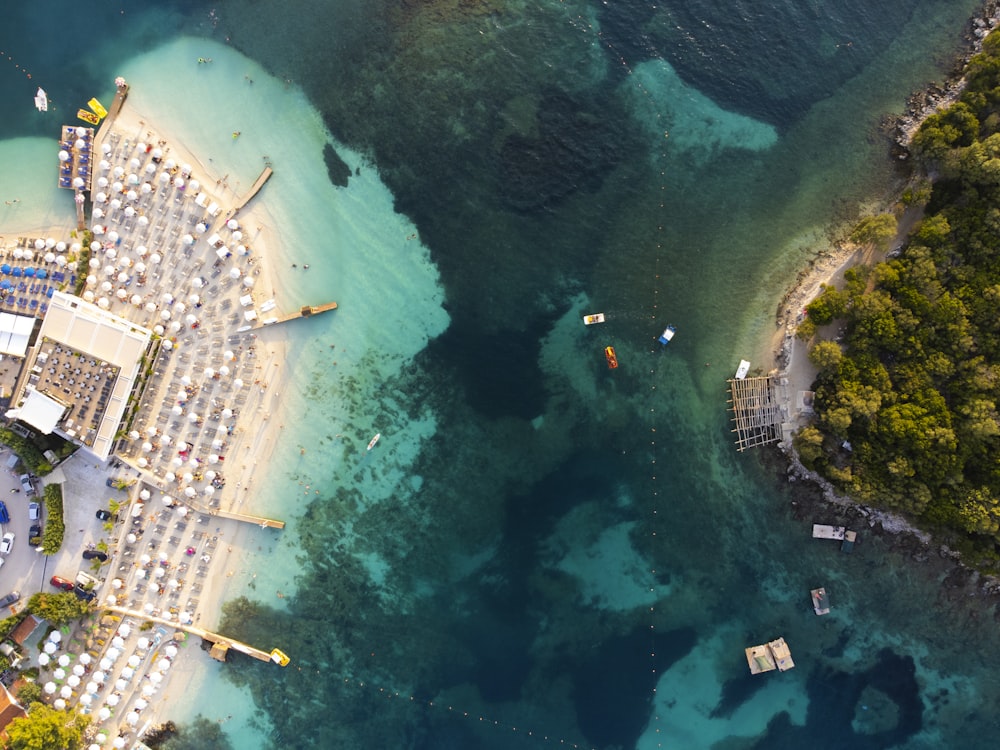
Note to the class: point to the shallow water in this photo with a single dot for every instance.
(537, 543)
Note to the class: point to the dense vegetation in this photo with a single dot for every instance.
(46, 728)
(55, 525)
(907, 403)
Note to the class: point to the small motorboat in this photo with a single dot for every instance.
(609, 354)
(41, 100)
(88, 116)
(589, 320)
(374, 440)
(744, 368)
(668, 333)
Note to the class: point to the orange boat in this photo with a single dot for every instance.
(609, 354)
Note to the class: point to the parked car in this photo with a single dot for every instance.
(34, 511)
(95, 554)
(27, 484)
(62, 583)
(34, 536)
(12, 597)
(103, 515)
(4, 515)
(7, 543)
(82, 593)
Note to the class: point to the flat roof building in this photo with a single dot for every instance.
(78, 378)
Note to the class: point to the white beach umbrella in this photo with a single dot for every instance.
(112, 237)
(143, 643)
(86, 699)
(104, 714)
(121, 294)
(50, 648)
(50, 688)
(66, 691)
(88, 296)
(201, 228)
(59, 704)
(175, 326)
(238, 383)
(164, 178)
(99, 677)
(179, 307)
(113, 699)
(141, 704)
(113, 653)
(170, 651)
(118, 172)
(59, 674)
(237, 236)
(103, 182)
(209, 372)
(64, 155)
(182, 510)
(170, 476)
(78, 182)
(233, 224)
(134, 661)
(116, 203)
(91, 280)
(121, 684)
(227, 413)
(107, 286)
(156, 678)
(145, 188)
(133, 434)
(241, 250)
(129, 211)
(248, 281)
(134, 163)
(235, 273)
(146, 447)
(140, 268)
(86, 658)
(125, 630)
(132, 718)
(92, 687)
(198, 282)
(188, 239)
(118, 742)
(179, 183)
(73, 680)
(103, 303)
(140, 573)
(44, 659)
(150, 168)
(64, 660)
(97, 229)
(105, 664)
(79, 669)
(101, 197)
(160, 572)
(95, 263)
(190, 491)
(122, 278)
(129, 672)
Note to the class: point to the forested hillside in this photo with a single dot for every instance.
(906, 401)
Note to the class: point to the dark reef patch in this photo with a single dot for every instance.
(576, 146)
(614, 685)
(834, 699)
(336, 168)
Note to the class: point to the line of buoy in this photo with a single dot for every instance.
(655, 521)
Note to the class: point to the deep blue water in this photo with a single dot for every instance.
(533, 144)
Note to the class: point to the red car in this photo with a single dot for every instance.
(61, 583)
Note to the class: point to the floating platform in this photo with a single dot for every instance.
(821, 531)
(589, 320)
(821, 602)
(769, 656)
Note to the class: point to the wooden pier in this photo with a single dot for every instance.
(254, 189)
(756, 411)
(306, 311)
(220, 643)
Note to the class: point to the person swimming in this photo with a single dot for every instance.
(236, 134)
(202, 60)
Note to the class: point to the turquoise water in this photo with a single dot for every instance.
(540, 551)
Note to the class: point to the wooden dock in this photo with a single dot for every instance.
(756, 411)
(306, 311)
(254, 189)
(220, 643)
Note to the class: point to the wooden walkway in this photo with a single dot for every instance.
(254, 189)
(220, 642)
(306, 311)
(756, 412)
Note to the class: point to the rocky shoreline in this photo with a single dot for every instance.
(816, 499)
(934, 97)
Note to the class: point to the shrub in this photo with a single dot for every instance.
(55, 525)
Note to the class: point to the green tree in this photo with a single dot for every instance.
(826, 355)
(58, 608)
(46, 728)
(875, 231)
(29, 692)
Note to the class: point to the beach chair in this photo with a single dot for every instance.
(43, 308)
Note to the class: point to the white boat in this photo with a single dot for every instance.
(371, 443)
(668, 333)
(743, 369)
(41, 100)
(589, 320)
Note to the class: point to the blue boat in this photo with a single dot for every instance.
(668, 333)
